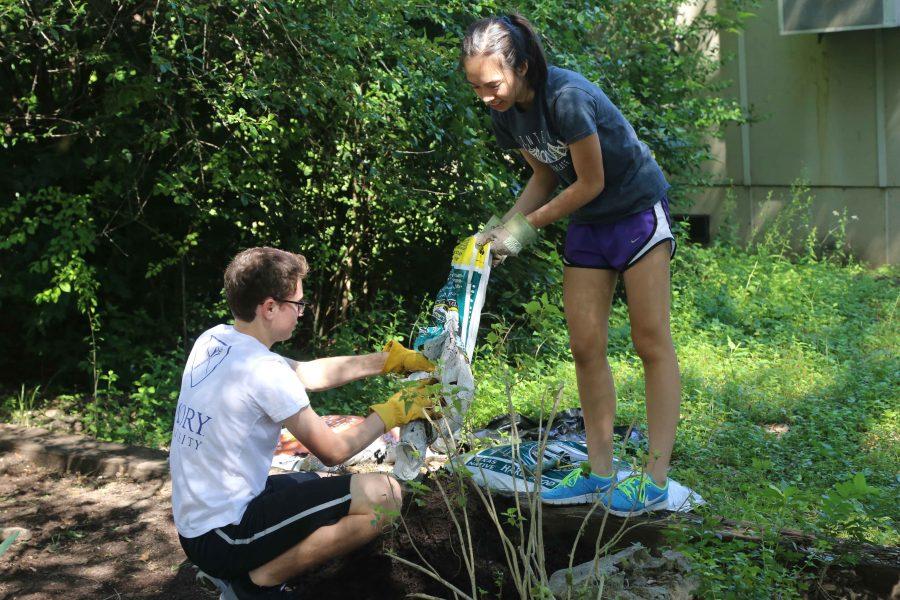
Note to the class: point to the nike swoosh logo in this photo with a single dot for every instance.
(634, 240)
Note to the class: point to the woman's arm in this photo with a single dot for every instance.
(326, 373)
(537, 191)
(587, 158)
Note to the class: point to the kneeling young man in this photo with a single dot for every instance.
(235, 522)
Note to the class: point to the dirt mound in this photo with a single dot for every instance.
(107, 538)
(86, 537)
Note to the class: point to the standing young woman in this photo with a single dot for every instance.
(615, 197)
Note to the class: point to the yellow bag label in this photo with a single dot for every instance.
(466, 254)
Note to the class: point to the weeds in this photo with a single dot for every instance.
(25, 404)
(520, 527)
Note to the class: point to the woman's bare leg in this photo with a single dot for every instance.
(587, 298)
(647, 285)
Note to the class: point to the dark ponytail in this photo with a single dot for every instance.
(512, 38)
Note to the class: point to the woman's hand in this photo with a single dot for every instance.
(509, 239)
(486, 234)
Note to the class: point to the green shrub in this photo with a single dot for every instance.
(144, 145)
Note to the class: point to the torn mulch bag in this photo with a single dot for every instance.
(512, 469)
(568, 425)
(457, 306)
(449, 341)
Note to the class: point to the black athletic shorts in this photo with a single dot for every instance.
(290, 508)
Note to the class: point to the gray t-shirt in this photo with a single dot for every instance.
(577, 108)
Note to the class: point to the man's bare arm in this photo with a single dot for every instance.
(330, 447)
(326, 373)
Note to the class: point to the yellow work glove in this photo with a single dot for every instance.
(404, 360)
(406, 405)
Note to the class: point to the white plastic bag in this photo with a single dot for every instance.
(449, 340)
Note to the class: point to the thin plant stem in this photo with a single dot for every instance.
(452, 514)
(431, 574)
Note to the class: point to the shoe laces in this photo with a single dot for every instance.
(634, 487)
(572, 478)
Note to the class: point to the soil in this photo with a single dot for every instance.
(110, 539)
(101, 538)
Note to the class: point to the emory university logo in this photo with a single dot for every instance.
(207, 358)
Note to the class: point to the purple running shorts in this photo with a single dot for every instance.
(618, 245)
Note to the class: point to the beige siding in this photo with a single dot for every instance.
(892, 100)
(814, 99)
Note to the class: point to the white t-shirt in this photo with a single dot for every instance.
(234, 395)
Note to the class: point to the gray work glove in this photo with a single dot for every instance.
(484, 236)
(507, 239)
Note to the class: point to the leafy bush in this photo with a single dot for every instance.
(144, 144)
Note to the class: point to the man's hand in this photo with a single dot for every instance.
(404, 360)
(406, 405)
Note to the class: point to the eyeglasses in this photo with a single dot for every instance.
(300, 304)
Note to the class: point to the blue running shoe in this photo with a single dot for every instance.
(578, 488)
(636, 495)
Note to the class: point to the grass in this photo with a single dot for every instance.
(790, 373)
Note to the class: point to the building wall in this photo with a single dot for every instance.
(825, 110)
